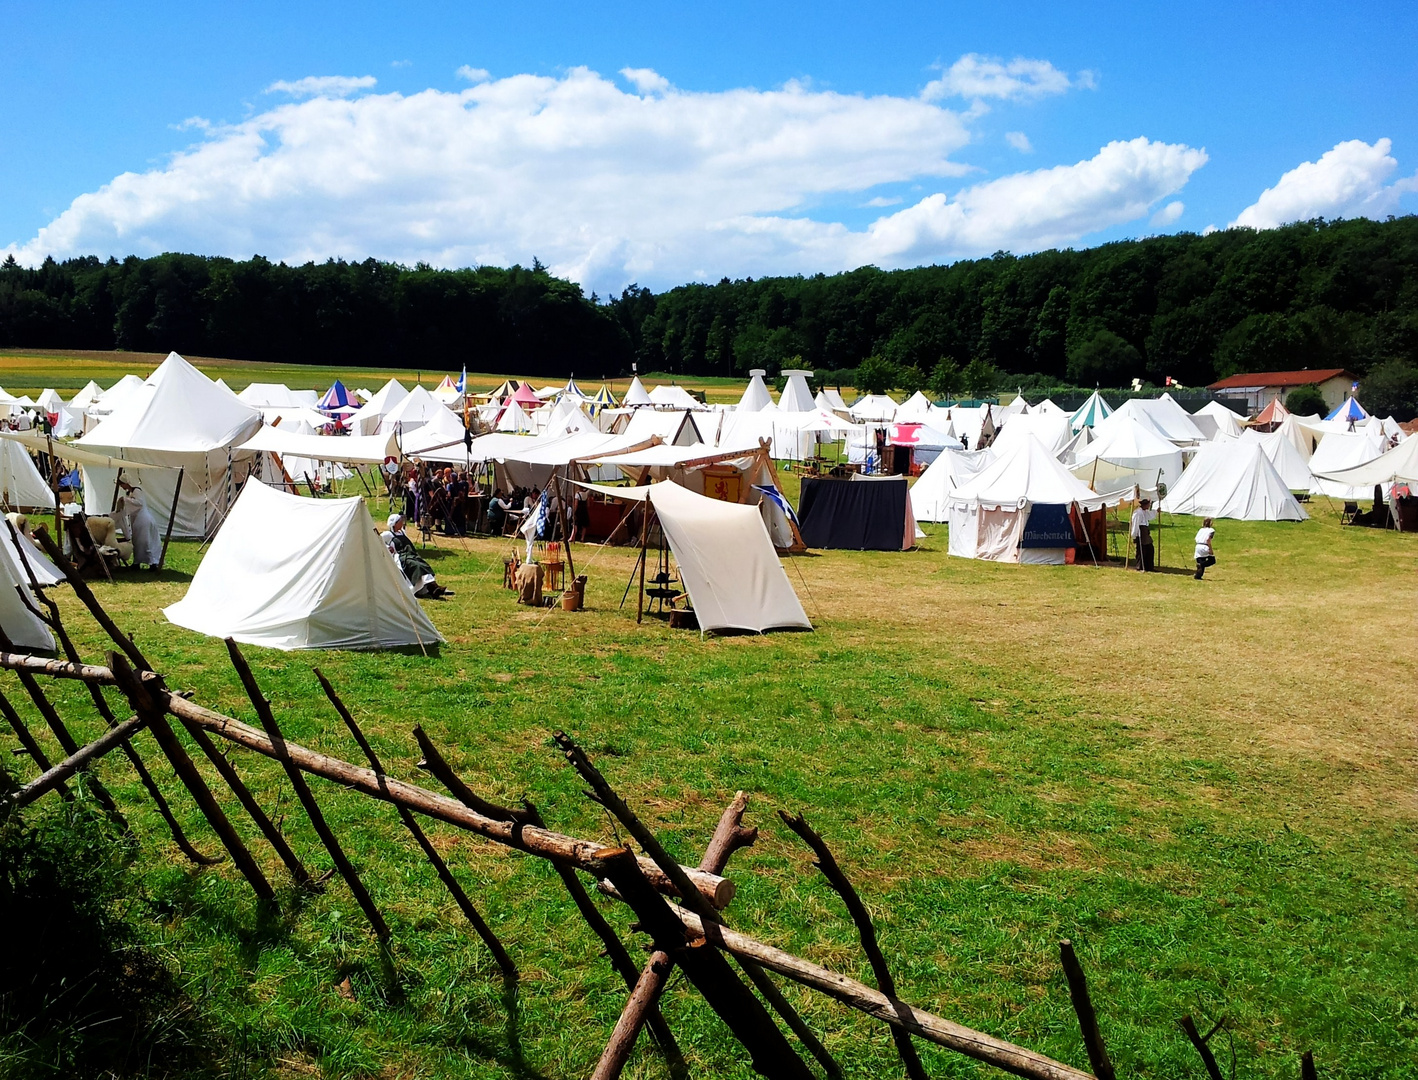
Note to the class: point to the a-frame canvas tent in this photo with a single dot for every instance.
(1283, 455)
(1233, 479)
(730, 570)
(21, 485)
(322, 580)
(1221, 420)
(21, 625)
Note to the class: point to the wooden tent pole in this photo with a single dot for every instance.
(54, 479)
(172, 516)
(644, 546)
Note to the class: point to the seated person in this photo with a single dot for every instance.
(411, 563)
(133, 516)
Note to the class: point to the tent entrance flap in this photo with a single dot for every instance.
(1049, 525)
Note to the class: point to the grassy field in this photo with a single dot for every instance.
(30, 371)
(1208, 786)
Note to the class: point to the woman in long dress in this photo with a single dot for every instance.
(138, 525)
(411, 563)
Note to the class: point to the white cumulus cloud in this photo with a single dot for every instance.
(473, 74)
(1348, 181)
(322, 85)
(605, 185)
(1168, 214)
(976, 76)
(1019, 141)
(646, 80)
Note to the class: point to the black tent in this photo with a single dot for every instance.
(859, 515)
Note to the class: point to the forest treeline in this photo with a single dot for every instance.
(1187, 307)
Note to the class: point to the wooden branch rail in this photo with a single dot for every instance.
(1208, 1059)
(580, 854)
(1083, 1008)
(57, 774)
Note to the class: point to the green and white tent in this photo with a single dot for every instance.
(1091, 413)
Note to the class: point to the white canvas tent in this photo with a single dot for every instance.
(21, 485)
(1051, 429)
(412, 411)
(636, 395)
(1221, 420)
(1233, 479)
(1283, 455)
(1132, 446)
(1399, 465)
(278, 396)
(878, 408)
(755, 395)
(989, 514)
(1170, 419)
(366, 421)
(730, 570)
(796, 397)
(322, 580)
(674, 397)
(21, 625)
(1339, 451)
(181, 419)
(930, 495)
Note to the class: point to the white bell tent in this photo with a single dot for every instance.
(1233, 479)
(755, 395)
(380, 403)
(293, 573)
(411, 412)
(636, 395)
(1221, 420)
(181, 419)
(1131, 446)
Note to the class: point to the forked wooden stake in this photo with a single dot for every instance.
(470, 912)
(645, 994)
(143, 704)
(1307, 1066)
(867, 931)
(768, 1048)
(327, 836)
(1083, 1007)
(1208, 1059)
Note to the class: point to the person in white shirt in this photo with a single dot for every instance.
(1204, 555)
(1142, 519)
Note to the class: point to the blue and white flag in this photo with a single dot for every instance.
(775, 496)
(541, 515)
(463, 380)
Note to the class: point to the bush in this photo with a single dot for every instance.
(79, 993)
(1391, 389)
(1306, 400)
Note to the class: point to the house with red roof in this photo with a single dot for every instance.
(1260, 388)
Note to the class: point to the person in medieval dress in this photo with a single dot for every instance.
(138, 525)
(411, 563)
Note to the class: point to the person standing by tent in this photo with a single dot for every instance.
(138, 525)
(1142, 519)
(1205, 556)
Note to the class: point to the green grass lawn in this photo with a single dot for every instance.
(1208, 786)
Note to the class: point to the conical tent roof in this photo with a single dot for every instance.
(1272, 413)
(1233, 479)
(1227, 423)
(636, 394)
(1048, 408)
(442, 429)
(1350, 410)
(756, 397)
(604, 399)
(323, 580)
(572, 390)
(676, 396)
(1051, 429)
(1132, 445)
(526, 396)
(916, 408)
(514, 418)
(417, 408)
(1027, 473)
(90, 393)
(336, 397)
(1091, 413)
(796, 397)
(182, 412)
(384, 400)
(1171, 420)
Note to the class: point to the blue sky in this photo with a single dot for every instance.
(863, 161)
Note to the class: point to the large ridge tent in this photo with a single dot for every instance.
(1233, 479)
(732, 574)
(1340, 450)
(181, 419)
(866, 513)
(383, 401)
(1283, 455)
(411, 412)
(1399, 465)
(1215, 420)
(1018, 509)
(323, 580)
(675, 397)
(1051, 429)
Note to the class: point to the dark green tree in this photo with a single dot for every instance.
(944, 381)
(1391, 389)
(876, 375)
(1306, 400)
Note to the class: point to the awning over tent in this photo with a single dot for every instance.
(732, 573)
(1399, 465)
(348, 449)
